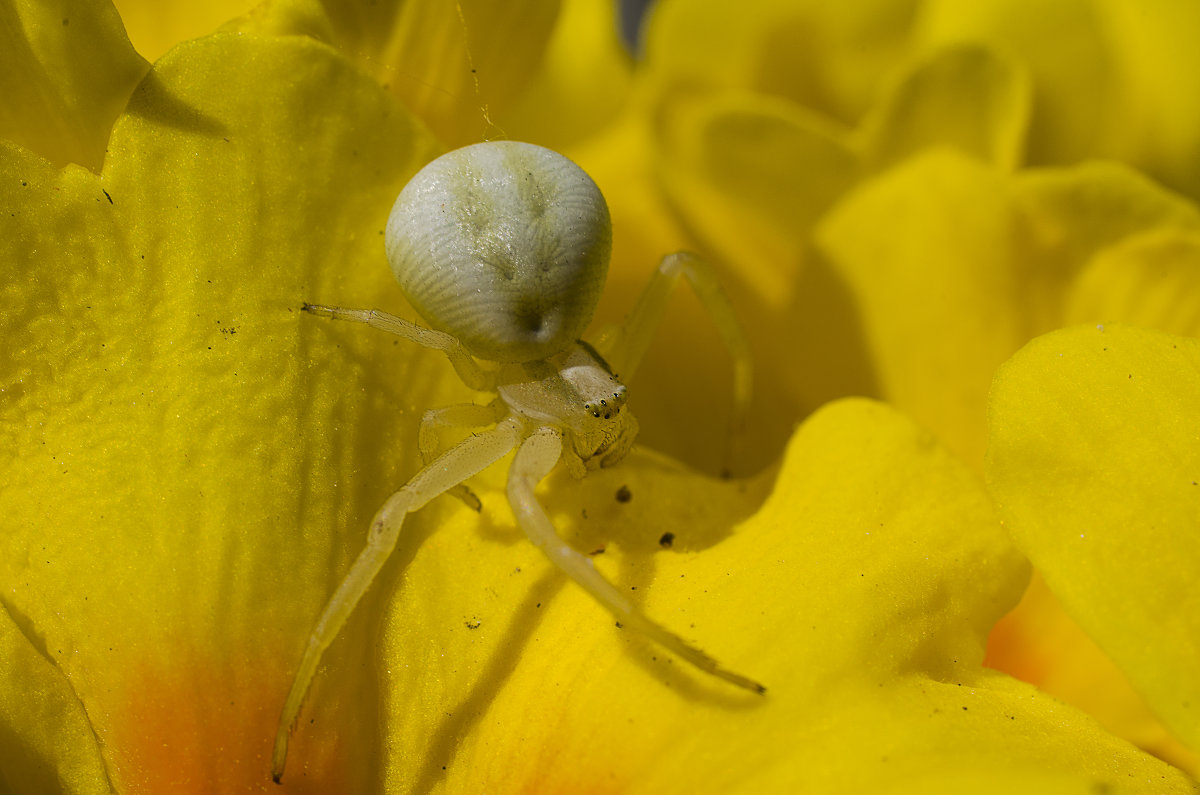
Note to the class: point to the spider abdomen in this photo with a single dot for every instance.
(504, 245)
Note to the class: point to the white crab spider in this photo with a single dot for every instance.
(503, 248)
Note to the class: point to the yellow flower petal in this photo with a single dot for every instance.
(286, 18)
(458, 66)
(1062, 44)
(861, 594)
(930, 293)
(952, 266)
(1158, 127)
(42, 719)
(1151, 279)
(1094, 462)
(583, 81)
(967, 97)
(156, 26)
(748, 177)
(422, 60)
(179, 447)
(66, 70)
(1039, 643)
(751, 176)
(826, 57)
(687, 358)
(1071, 215)
(192, 524)
(1113, 80)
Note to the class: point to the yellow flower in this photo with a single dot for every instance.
(903, 195)
(1095, 465)
(190, 464)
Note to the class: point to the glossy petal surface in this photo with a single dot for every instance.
(66, 71)
(1095, 464)
(861, 593)
(176, 448)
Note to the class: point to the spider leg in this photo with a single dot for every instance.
(624, 349)
(536, 456)
(460, 462)
(463, 415)
(467, 368)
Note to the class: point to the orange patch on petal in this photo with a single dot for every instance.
(207, 726)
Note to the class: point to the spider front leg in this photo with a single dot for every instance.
(467, 368)
(535, 459)
(624, 349)
(460, 462)
(464, 415)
